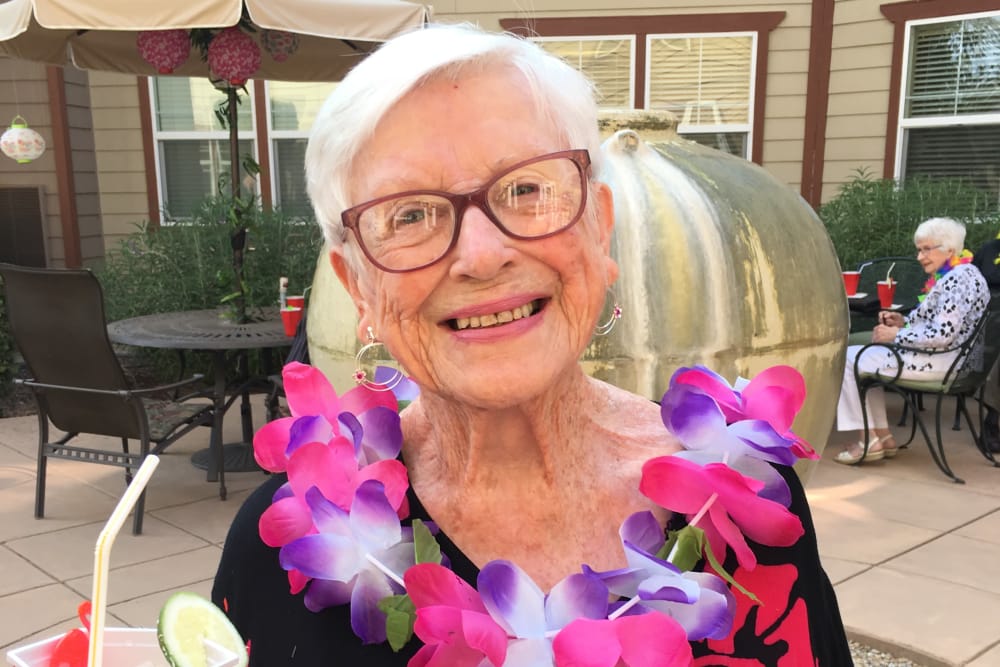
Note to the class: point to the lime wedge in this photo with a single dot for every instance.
(186, 621)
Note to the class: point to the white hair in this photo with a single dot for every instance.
(947, 232)
(348, 119)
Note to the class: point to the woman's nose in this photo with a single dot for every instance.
(482, 248)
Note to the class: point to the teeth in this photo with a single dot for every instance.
(493, 319)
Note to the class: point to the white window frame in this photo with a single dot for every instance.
(903, 124)
(175, 135)
(721, 128)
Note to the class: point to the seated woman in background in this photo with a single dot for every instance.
(452, 174)
(954, 300)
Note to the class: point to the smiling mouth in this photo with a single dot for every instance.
(496, 319)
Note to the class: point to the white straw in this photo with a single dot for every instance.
(102, 553)
(889, 273)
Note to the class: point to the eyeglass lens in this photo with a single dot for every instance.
(414, 229)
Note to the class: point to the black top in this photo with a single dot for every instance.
(797, 623)
(985, 260)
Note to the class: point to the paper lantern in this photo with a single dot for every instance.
(166, 50)
(20, 142)
(280, 43)
(233, 56)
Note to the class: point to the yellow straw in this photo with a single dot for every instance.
(102, 553)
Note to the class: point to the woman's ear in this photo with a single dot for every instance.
(349, 279)
(605, 225)
(605, 201)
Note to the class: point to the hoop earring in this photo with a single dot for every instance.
(616, 314)
(361, 375)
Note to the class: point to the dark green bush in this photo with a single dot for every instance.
(6, 352)
(872, 217)
(185, 266)
(188, 265)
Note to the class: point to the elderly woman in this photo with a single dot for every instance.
(452, 174)
(954, 300)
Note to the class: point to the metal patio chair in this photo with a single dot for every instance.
(56, 317)
(964, 381)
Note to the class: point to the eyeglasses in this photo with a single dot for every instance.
(928, 249)
(533, 199)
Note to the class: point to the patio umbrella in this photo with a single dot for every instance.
(332, 35)
(295, 40)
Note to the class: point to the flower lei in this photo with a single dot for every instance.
(965, 257)
(337, 524)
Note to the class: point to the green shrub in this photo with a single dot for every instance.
(186, 266)
(7, 368)
(872, 217)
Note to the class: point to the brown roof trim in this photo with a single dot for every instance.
(63, 154)
(760, 22)
(817, 98)
(899, 13)
(148, 151)
(263, 145)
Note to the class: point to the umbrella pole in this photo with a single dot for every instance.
(239, 235)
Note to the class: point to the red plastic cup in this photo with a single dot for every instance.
(290, 317)
(851, 282)
(296, 301)
(886, 292)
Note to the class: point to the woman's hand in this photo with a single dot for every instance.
(884, 334)
(891, 318)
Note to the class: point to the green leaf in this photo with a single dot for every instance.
(690, 541)
(719, 570)
(399, 617)
(425, 547)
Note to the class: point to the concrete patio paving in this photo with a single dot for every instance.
(915, 558)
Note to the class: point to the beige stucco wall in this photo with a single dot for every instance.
(859, 93)
(787, 63)
(120, 161)
(24, 90)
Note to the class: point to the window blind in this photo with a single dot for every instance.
(702, 80)
(606, 61)
(954, 68)
(967, 152)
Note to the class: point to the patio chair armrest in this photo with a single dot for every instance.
(168, 387)
(891, 347)
(123, 393)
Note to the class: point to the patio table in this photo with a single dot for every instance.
(209, 331)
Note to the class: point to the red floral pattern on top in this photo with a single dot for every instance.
(773, 627)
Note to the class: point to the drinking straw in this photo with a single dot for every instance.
(282, 290)
(888, 280)
(102, 553)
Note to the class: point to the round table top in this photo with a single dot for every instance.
(200, 330)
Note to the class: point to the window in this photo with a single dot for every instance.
(293, 108)
(949, 123)
(712, 68)
(707, 82)
(192, 148)
(607, 60)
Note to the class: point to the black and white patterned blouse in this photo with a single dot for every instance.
(944, 319)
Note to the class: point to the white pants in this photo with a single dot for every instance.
(849, 417)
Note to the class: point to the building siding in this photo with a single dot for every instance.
(859, 93)
(120, 159)
(24, 91)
